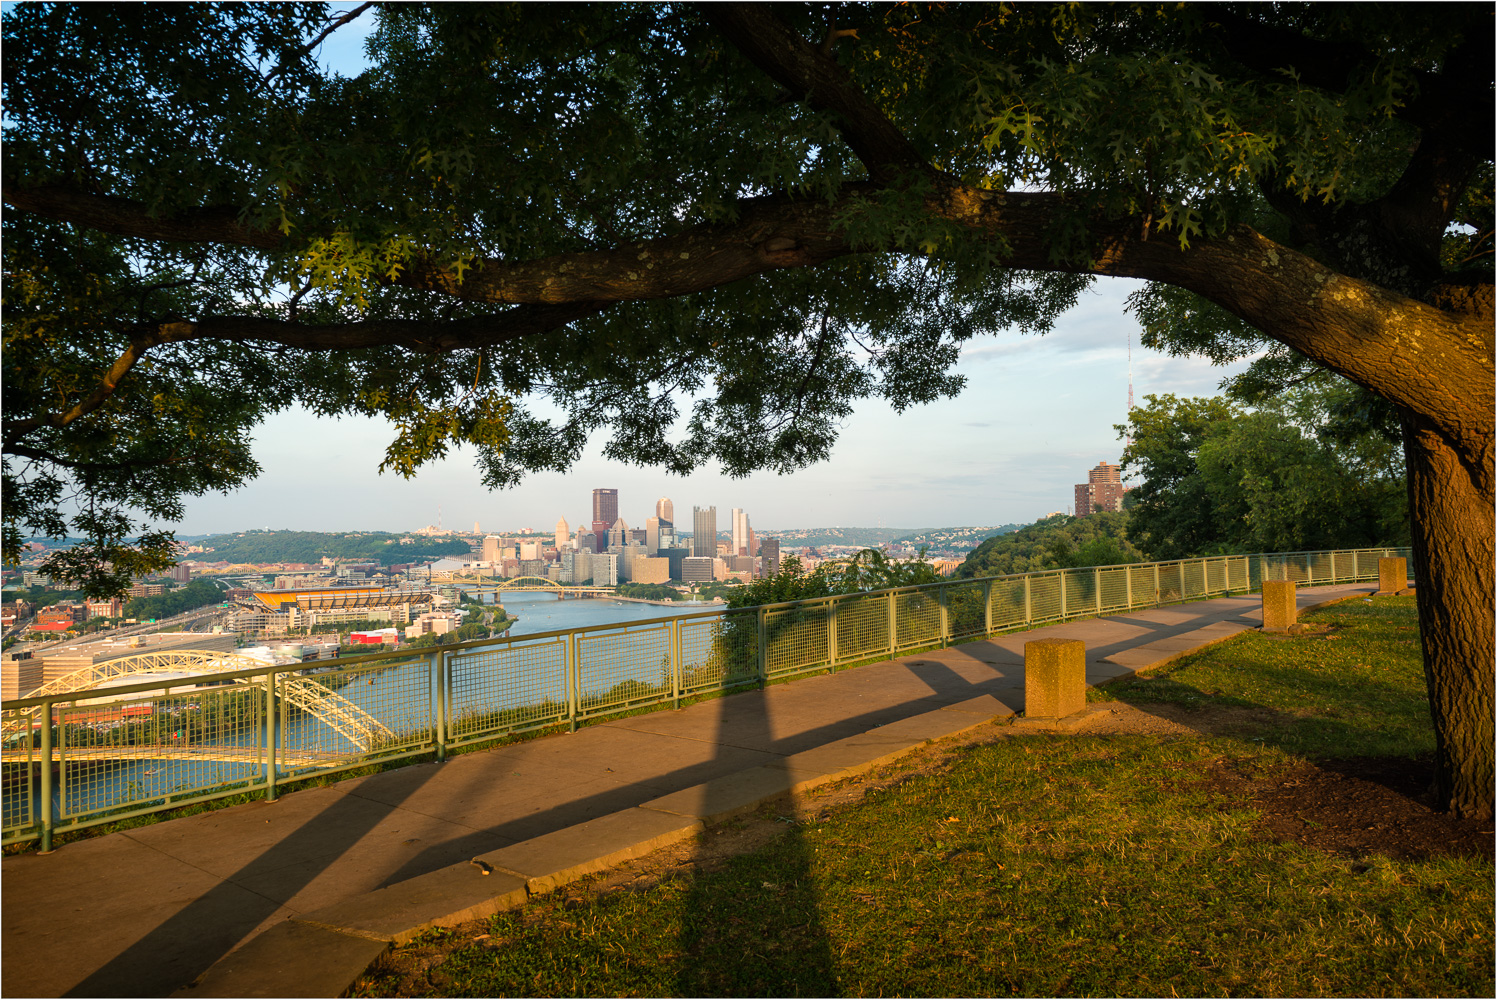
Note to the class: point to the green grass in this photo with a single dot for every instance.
(1357, 690)
(1046, 866)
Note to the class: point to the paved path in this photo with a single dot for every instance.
(360, 863)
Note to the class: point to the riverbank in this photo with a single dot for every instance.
(694, 605)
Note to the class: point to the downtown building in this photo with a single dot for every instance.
(1102, 491)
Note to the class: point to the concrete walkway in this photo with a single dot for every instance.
(296, 897)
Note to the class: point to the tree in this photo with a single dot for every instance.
(1290, 477)
(774, 211)
(1056, 542)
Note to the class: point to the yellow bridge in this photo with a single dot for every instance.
(531, 585)
(360, 728)
(139, 753)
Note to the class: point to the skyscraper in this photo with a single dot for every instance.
(704, 531)
(740, 532)
(562, 531)
(665, 510)
(606, 506)
(769, 556)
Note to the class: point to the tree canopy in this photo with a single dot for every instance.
(739, 218)
(1304, 471)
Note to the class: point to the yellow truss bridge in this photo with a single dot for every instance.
(534, 585)
(352, 722)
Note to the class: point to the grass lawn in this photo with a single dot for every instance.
(1049, 865)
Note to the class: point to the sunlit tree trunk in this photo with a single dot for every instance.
(1450, 494)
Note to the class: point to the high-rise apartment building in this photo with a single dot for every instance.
(1103, 490)
(665, 510)
(606, 506)
(740, 533)
(769, 556)
(704, 531)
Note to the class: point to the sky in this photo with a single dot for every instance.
(1036, 414)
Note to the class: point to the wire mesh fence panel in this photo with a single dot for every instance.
(719, 653)
(966, 614)
(1238, 574)
(506, 689)
(133, 750)
(1007, 602)
(627, 668)
(797, 638)
(1142, 578)
(337, 717)
(1170, 584)
(1081, 592)
(1114, 583)
(1193, 578)
(1320, 567)
(1343, 566)
(917, 619)
(21, 773)
(1044, 597)
(862, 626)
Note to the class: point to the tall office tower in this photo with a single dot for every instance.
(667, 535)
(490, 549)
(740, 533)
(618, 535)
(704, 531)
(769, 556)
(652, 536)
(665, 510)
(563, 530)
(606, 506)
(586, 541)
(1102, 491)
(753, 543)
(600, 536)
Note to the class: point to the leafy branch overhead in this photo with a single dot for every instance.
(704, 232)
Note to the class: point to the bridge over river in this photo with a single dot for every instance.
(527, 585)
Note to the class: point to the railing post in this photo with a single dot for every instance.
(574, 683)
(1128, 577)
(1156, 585)
(270, 727)
(49, 810)
(675, 663)
(987, 607)
(1309, 569)
(761, 621)
(893, 620)
(945, 617)
(1062, 579)
(439, 665)
(1097, 586)
(833, 654)
(1028, 601)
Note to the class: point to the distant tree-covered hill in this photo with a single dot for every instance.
(1053, 543)
(861, 537)
(310, 546)
(954, 538)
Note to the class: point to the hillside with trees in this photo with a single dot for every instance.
(1055, 542)
(311, 546)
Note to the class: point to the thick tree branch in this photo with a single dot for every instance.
(108, 383)
(428, 336)
(124, 217)
(352, 15)
(812, 74)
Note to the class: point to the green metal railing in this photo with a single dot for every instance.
(88, 757)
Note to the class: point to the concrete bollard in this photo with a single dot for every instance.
(1392, 575)
(1054, 678)
(1279, 610)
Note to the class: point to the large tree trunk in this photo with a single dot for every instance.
(1450, 497)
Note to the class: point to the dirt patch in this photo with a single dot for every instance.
(1356, 807)
(1118, 718)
